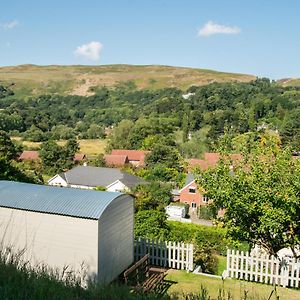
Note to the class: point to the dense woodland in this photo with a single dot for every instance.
(213, 109)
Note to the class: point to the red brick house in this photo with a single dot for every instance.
(190, 193)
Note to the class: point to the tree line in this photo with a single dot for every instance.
(207, 113)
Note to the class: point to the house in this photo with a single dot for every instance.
(116, 160)
(210, 160)
(60, 227)
(135, 157)
(34, 156)
(29, 155)
(190, 194)
(79, 157)
(86, 177)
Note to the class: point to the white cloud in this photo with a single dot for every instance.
(90, 51)
(10, 25)
(211, 28)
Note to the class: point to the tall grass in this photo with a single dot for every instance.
(20, 281)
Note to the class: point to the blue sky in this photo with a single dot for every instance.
(259, 37)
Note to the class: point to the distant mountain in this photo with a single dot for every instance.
(28, 80)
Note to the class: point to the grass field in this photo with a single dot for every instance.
(90, 148)
(190, 283)
(28, 80)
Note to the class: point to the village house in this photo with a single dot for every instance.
(116, 160)
(135, 157)
(86, 177)
(27, 155)
(190, 192)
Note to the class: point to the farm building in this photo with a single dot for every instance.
(62, 227)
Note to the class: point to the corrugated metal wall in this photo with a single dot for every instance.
(116, 240)
(54, 240)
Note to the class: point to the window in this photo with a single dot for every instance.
(192, 190)
(194, 205)
(205, 199)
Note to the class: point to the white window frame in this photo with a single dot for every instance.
(193, 188)
(205, 199)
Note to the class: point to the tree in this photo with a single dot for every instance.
(154, 195)
(10, 172)
(118, 139)
(151, 224)
(7, 147)
(261, 198)
(165, 155)
(71, 147)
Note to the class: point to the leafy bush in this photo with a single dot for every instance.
(202, 236)
(206, 212)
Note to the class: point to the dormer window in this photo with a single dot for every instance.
(192, 190)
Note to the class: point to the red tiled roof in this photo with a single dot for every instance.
(79, 157)
(211, 158)
(29, 155)
(116, 160)
(194, 162)
(134, 155)
(236, 156)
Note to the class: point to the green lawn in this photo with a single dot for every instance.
(184, 282)
(221, 264)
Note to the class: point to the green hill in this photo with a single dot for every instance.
(290, 81)
(27, 80)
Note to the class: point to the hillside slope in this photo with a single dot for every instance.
(290, 82)
(27, 80)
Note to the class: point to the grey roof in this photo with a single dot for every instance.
(189, 178)
(95, 176)
(55, 200)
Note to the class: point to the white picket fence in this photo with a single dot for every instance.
(263, 268)
(165, 254)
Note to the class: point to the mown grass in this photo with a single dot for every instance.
(191, 283)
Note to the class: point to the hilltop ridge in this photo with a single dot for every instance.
(29, 79)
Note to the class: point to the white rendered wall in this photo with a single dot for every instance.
(116, 240)
(117, 186)
(57, 181)
(54, 240)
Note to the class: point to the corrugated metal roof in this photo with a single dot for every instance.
(55, 200)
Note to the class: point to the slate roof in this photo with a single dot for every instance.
(55, 200)
(96, 176)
